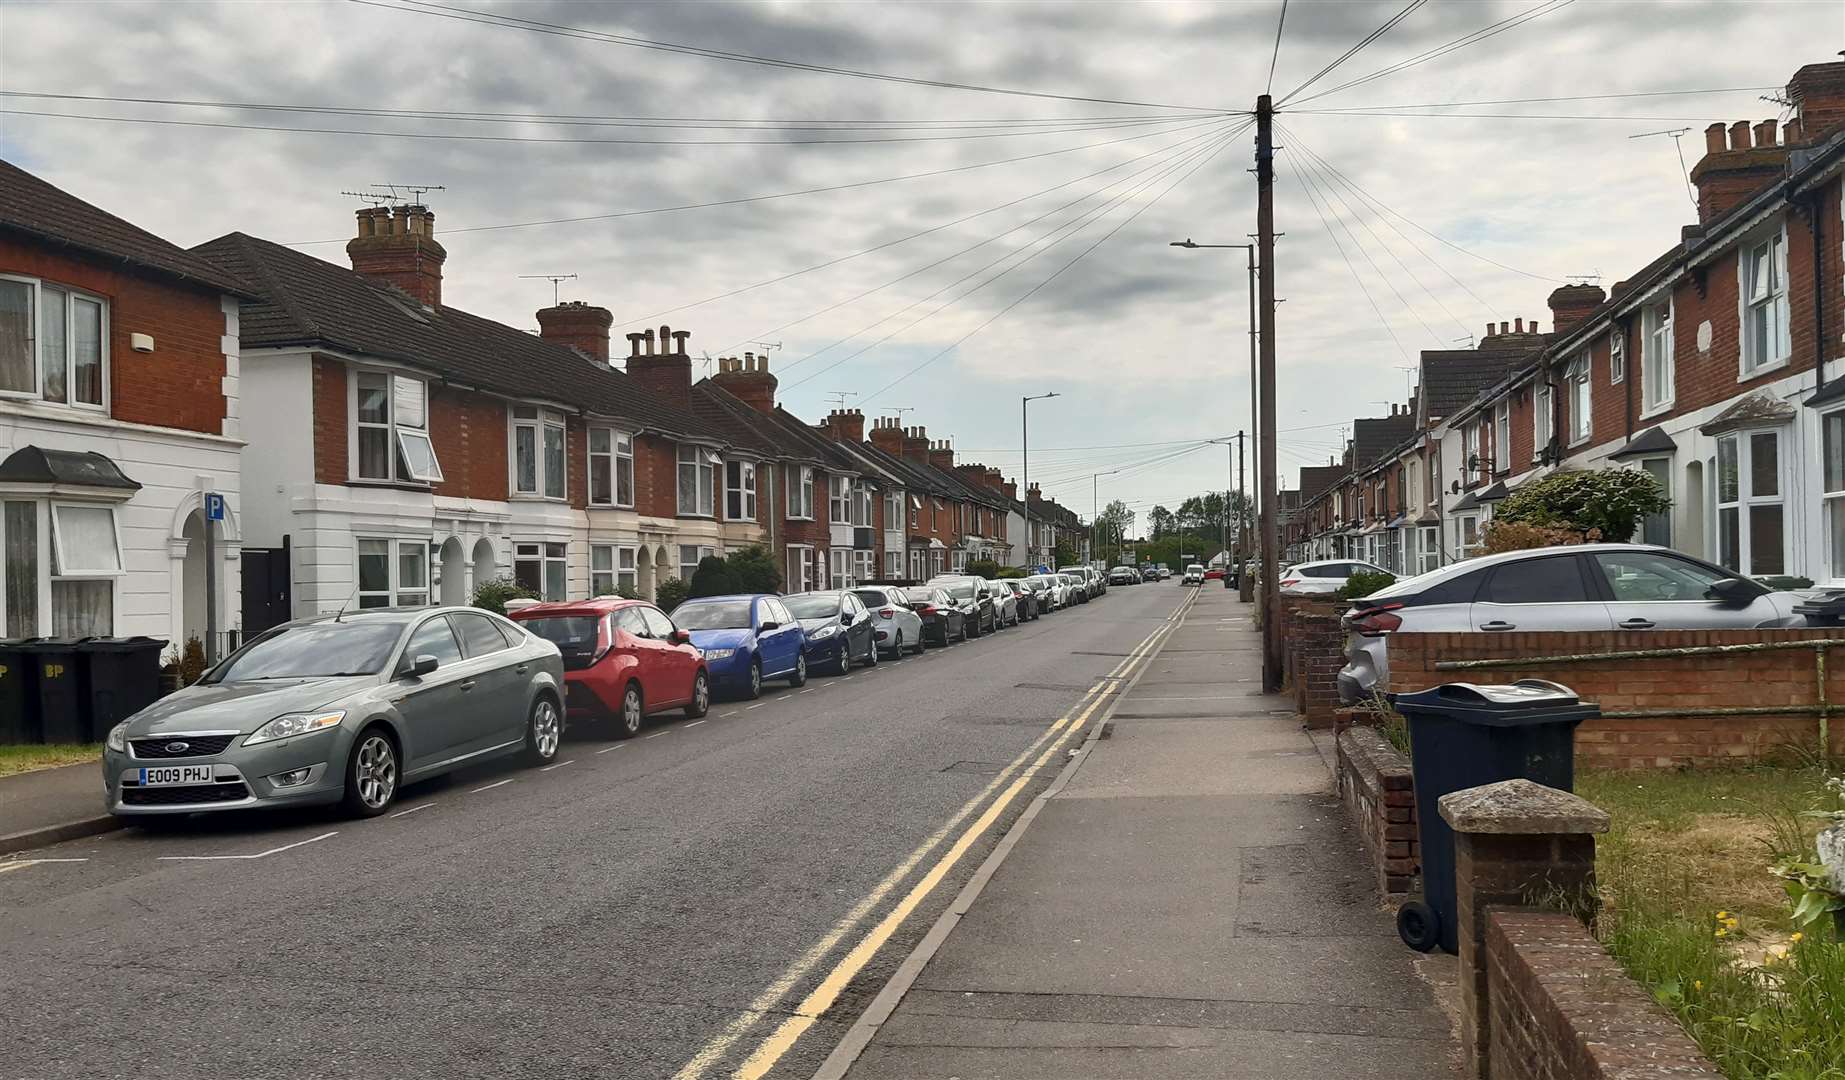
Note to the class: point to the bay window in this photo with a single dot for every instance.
(541, 567)
(1751, 527)
(800, 483)
(391, 429)
(611, 467)
(538, 452)
(1582, 420)
(1656, 375)
(697, 481)
(54, 343)
(740, 491)
(1832, 486)
(1764, 298)
(611, 570)
(393, 572)
(60, 560)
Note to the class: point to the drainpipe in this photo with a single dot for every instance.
(1816, 222)
(1628, 373)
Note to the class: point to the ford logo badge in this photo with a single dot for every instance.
(178, 747)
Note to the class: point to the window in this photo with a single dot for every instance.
(75, 586)
(800, 493)
(893, 511)
(611, 467)
(740, 491)
(1751, 537)
(919, 564)
(1582, 419)
(690, 555)
(800, 562)
(839, 499)
(864, 564)
(1764, 295)
(541, 568)
(1502, 437)
(658, 624)
(861, 504)
(19, 568)
(1643, 576)
(479, 635)
(393, 572)
(1428, 549)
(1832, 486)
(1617, 358)
(697, 481)
(538, 452)
(1553, 580)
(960, 561)
(915, 511)
(1656, 377)
(1543, 419)
(893, 564)
(391, 429)
(1657, 528)
(842, 568)
(1467, 535)
(54, 343)
(435, 638)
(611, 569)
(1470, 449)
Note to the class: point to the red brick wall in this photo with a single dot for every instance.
(1523, 435)
(1379, 792)
(469, 433)
(179, 384)
(576, 466)
(656, 464)
(1562, 1009)
(1609, 398)
(1315, 647)
(330, 464)
(1781, 677)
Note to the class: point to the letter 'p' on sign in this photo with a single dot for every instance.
(52, 671)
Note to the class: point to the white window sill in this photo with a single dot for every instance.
(1757, 372)
(605, 506)
(402, 485)
(1658, 410)
(528, 497)
(1582, 441)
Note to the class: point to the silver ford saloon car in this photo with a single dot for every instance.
(340, 709)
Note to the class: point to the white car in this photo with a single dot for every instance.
(1194, 575)
(1322, 578)
(895, 626)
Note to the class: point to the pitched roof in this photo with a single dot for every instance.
(1453, 377)
(1316, 480)
(309, 301)
(1373, 438)
(50, 214)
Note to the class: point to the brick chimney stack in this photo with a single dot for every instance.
(583, 327)
(887, 435)
(661, 364)
(1818, 94)
(1737, 163)
(397, 246)
(916, 444)
(1571, 304)
(846, 425)
(748, 379)
(942, 455)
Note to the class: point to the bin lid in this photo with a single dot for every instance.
(123, 644)
(48, 644)
(1830, 603)
(1527, 701)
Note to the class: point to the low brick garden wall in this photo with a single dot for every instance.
(1314, 648)
(1680, 699)
(1378, 790)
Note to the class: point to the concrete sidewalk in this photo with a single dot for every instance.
(1192, 903)
(51, 805)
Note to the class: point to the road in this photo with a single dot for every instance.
(717, 898)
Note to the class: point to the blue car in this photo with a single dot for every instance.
(745, 639)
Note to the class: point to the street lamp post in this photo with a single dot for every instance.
(1025, 467)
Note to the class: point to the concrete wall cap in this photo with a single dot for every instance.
(1523, 808)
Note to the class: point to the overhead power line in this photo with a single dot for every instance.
(1275, 56)
(1515, 116)
(419, 7)
(1568, 97)
(1355, 49)
(1313, 200)
(1474, 38)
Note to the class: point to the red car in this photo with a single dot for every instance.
(1215, 573)
(624, 660)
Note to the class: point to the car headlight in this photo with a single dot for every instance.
(293, 724)
(824, 632)
(719, 654)
(118, 738)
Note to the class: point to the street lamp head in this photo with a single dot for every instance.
(1185, 243)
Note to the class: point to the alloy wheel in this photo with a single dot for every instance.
(631, 711)
(547, 730)
(755, 681)
(376, 771)
(701, 694)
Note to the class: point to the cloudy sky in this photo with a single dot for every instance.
(1145, 343)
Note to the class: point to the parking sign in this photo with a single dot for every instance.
(214, 506)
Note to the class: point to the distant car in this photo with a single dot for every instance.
(1215, 573)
(974, 599)
(1078, 586)
(839, 629)
(1027, 605)
(1320, 578)
(746, 639)
(340, 709)
(1093, 583)
(896, 627)
(1124, 575)
(942, 619)
(1165, 571)
(1194, 575)
(1005, 603)
(1586, 587)
(1043, 594)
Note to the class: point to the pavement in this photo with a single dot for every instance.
(716, 898)
(1188, 900)
(49, 805)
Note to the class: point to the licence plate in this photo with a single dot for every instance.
(173, 775)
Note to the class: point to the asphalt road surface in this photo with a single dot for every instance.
(718, 898)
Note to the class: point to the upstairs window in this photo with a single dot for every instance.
(1656, 376)
(893, 512)
(1502, 437)
(538, 452)
(1470, 447)
(839, 499)
(1617, 358)
(611, 467)
(54, 343)
(391, 429)
(697, 481)
(861, 506)
(740, 490)
(1543, 419)
(1765, 341)
(1582, 420)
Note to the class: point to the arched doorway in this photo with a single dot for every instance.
(453, 566)
(643, 573)
(192, 581)
(486, 566)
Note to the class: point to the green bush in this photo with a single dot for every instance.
(191, 661)
(1010, 572)
(670, 593)
(986, 568)
(753, 570)
(712, 578)
(1610, 501)
(492, 595)
(1363, 583)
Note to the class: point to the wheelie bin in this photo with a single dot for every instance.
(121, 676)
(1464, 735)
(18, 707)
(57, 682)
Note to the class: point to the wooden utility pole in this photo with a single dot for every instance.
(1265, 278)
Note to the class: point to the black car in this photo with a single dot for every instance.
(976, 603)
(838, 629)
(943, 620)
(1029, 603)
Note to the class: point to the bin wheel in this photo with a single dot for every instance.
(1419, 926)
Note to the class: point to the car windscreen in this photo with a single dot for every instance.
(713, 615)
(873, 598)
(818, 606)
(921, 596)
(960, 590)
(314, 650)
(570, 633)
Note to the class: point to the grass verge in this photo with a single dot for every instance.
(25, 759)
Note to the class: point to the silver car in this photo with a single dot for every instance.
(1322, 578)
(895, 625)
(1587, 587)
(340, 709)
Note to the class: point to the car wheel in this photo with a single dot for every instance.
(544, 732)
(918, 650)
(799, 678)
(754, 690)
(633, 715)
(897, 652)
(371, 774)
(871, 653)
(701, 698)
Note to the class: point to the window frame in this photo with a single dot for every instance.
(49, 565)
(398, 469)
(622, 570)
(740, 495)
(618, 459)
(1771, 306)
(544, 557)
(1502, 437)
(1666, 516)
(1617, 358)
(839, 568)
(839, 499)
(1578, 376)
(1658, 377)
(35, 339)
(1747, 500)
(703, 464)
(800, 483)
(539, 423)
(395, 590)
(1543, 418)
(1832, 493)
(700, 552)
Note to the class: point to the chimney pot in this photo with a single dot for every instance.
(1714, 141)
(1765, 133)
(1518, 326)
(1739, 135)
(1503, 327)
(386, 249)
(580, 326)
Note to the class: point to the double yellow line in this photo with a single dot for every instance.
(823, 996)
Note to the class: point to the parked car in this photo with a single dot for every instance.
(1586, 587)
(839, 629)
(1027, 599)
(1165, 571)
(895, 627)
(1321, 578)
(1063, 590)
(746, 639)
(1194, 575)
(1088, 577)
(1214, 573)
(1005, 603)
(1124, 575)
(340, 709)
(1078, 586)
(624, 660)
(975, 601)
(942, 618)
(1043, 593)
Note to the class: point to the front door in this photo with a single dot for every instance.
(1547, 593)
(437, 708)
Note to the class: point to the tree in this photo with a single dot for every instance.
(1610, 502)
(1063, 554)
(753, 570)
(1113, 523)
(670, 593)
(712, 578)
(1162, 521)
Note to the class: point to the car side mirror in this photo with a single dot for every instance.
(422, 665)
(768, 626)
(1732, 592)
(845, 619)
(682, 637)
